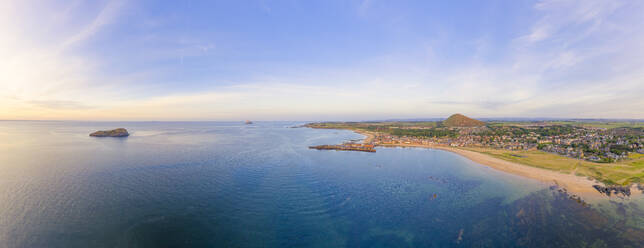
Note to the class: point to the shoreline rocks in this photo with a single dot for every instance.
(119, 132)
(608, 190)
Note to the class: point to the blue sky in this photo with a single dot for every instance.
(320, 60)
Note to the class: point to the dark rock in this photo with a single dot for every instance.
(613, 189)
(119, 132)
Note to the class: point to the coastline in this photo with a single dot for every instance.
(575, 185)
(369, 138)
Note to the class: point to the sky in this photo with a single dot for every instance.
(320, 60)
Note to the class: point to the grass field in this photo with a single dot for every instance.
(596, 124)
(601, 124)
(623, 172)
(635, 155)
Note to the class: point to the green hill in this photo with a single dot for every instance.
(459, 120)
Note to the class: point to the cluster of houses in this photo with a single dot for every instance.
(460, 141)
(594, 145)
(591, 144)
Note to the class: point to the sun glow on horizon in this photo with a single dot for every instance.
(120, 60)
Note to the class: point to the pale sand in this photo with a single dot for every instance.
(369, 138)
(575, 185)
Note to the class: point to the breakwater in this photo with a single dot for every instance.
(359, 148)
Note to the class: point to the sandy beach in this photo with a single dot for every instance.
(575, 185)
(369, 136)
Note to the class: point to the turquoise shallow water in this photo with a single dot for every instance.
(217, 184)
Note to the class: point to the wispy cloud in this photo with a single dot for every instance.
(566, 59)
(568, 17)
(104, 17)
(38, 72)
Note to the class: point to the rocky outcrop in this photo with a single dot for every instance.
(119, 132)
(613, 189)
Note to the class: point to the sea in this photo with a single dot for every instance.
(227, 184)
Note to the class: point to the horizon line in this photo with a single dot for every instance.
(420, 119)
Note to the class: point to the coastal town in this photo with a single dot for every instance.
(592, 144)
(577, 153)
(588, 143)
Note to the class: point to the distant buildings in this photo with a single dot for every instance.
(588, 143)
(592, 144)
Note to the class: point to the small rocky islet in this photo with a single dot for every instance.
(119, 132)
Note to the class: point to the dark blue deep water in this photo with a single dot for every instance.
(216, 184)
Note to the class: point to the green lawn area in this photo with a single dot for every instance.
(598, 124)
(635, 155)
(623, 172)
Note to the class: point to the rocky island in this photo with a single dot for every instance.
(119, 132)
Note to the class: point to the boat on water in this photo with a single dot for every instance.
(247, 122)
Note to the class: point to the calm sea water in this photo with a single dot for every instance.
(215, 184)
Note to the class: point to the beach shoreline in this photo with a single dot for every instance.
(573, 184)
(369, 136)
